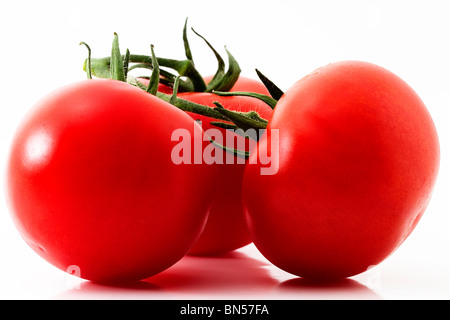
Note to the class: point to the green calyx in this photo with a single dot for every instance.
(154, 79)
(117, 70)
(271, 100)
(169, 69)
(182, 76)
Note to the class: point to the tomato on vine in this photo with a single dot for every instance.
(179, 82)
(91, 182)
(359, 156)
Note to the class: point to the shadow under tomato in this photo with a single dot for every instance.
(231, 274)
(84, 289)
(340, 289)
(234, 272)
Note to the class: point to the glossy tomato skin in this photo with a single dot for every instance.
(358, 159)
(226, 228)
(91, 183)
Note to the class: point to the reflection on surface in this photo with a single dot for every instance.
(234, 272)
(340, 289)
(233, 276)
(227, 276)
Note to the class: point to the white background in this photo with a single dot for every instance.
(285, 40)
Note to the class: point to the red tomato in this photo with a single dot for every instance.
(161, 87)
(91, 182)
(226, 228)
(358, 159)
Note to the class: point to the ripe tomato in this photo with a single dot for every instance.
(91, 182)
(358, 159)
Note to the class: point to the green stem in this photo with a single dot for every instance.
(224, 125)
(236, 152)
(227, 81)
(183, 67)
(89, 62)
(126, 63)
(274, 91)
(244, 120)
(176, 84)
(117, 70)
(187, 48)
(154, 79)
(269, 100)
(109, 67)
(193, 107)
(240, 120)
(216, 80)
(167, 78)
(101, 67)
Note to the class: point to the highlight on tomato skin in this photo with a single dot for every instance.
(359, 156)
(92, 186)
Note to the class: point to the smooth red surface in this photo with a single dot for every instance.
(359, 156)
(91, 182)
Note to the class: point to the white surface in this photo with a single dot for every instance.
(285, 40)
